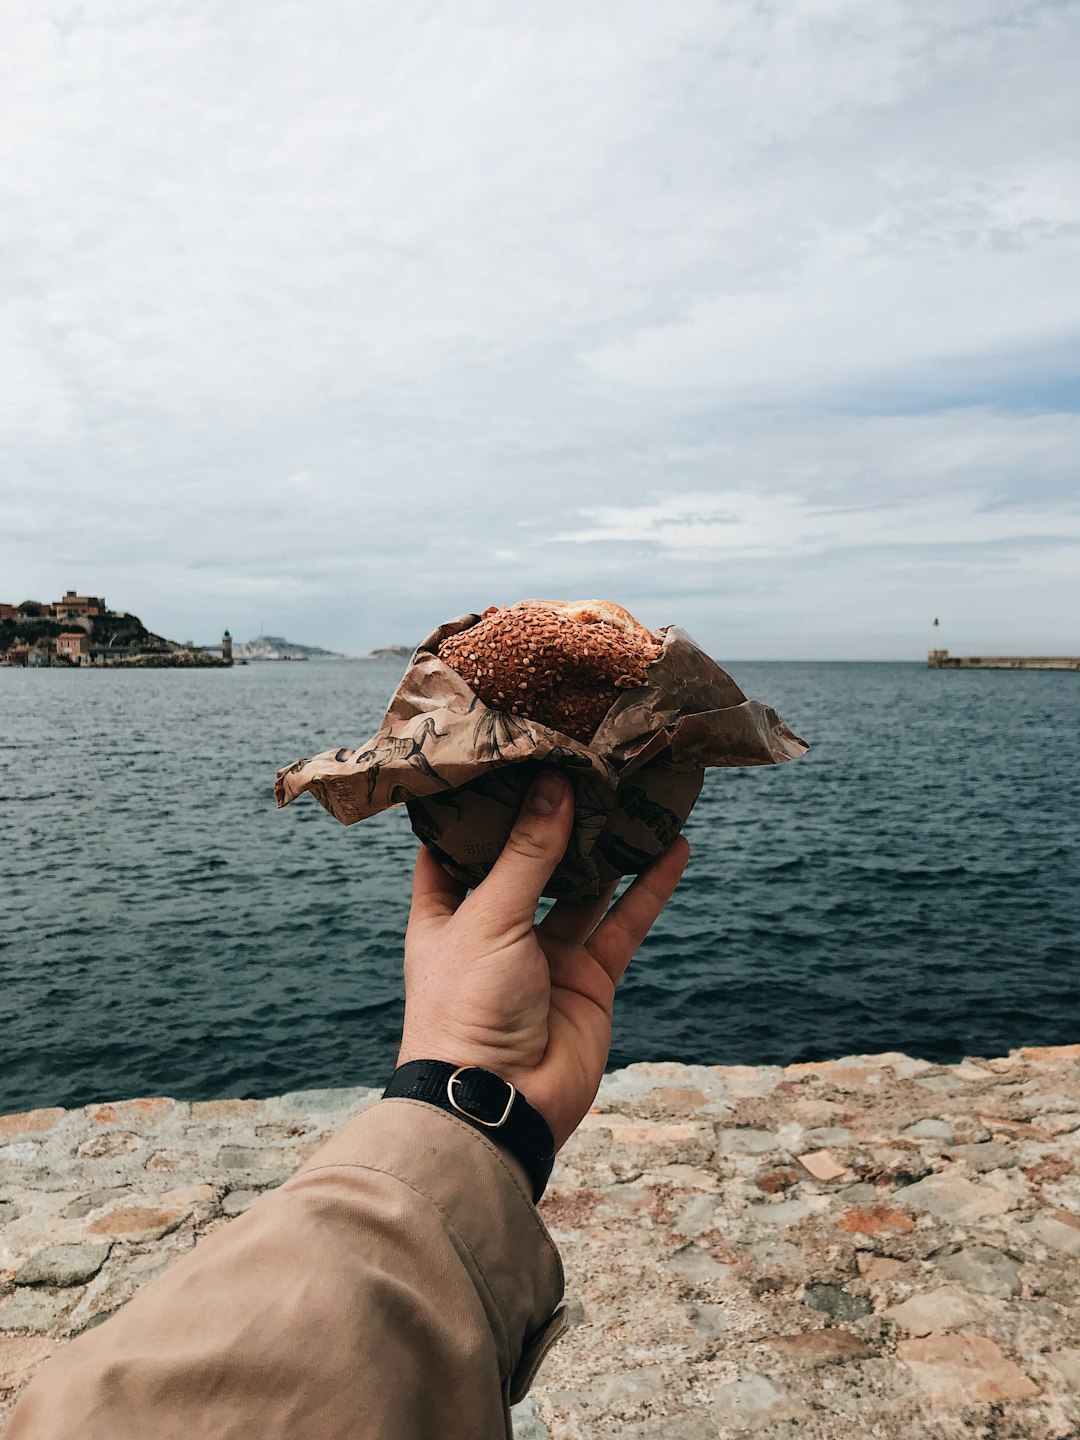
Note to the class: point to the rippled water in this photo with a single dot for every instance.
(912, 884)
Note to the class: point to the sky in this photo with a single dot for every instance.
(334, 320)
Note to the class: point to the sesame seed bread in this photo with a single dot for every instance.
(562, 663)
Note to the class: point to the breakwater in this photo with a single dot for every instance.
(871, 1246)
(942, 660)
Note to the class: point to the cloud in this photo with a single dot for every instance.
(751, 526)
(840, 324)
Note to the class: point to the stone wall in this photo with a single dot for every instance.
(870, 1247)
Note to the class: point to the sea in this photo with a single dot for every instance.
(913, 883)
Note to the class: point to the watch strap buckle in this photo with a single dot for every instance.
(468, 1114)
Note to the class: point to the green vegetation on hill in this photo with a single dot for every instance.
(119, 631)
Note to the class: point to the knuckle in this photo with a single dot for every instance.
(528, 844)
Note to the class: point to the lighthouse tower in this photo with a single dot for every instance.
(226, 648)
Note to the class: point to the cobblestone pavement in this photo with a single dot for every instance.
(869, 1247)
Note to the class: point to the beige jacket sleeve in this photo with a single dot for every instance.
(400, 1285)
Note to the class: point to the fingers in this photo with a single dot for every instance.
(573, 921)
(630, 919)
(434, 892)
(511, 892)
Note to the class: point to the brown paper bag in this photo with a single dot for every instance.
(462, 769)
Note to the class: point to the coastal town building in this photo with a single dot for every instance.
(92, 634)
(72, 606)
(74, 645)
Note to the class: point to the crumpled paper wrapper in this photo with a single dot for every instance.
(462, 769)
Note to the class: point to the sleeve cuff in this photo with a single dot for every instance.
(486, 1206)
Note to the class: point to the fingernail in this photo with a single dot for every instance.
(547, 792)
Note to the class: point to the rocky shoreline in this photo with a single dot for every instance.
(867, 1247)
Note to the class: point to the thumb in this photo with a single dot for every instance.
(537, 843)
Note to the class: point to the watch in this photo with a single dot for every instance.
(486, 1101)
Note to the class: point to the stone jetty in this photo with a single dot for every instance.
(942, 660)
(868, 1247)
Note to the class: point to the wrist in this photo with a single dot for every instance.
(487, 1102)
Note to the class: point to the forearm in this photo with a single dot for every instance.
(388, 1289)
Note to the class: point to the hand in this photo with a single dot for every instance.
(485, 985)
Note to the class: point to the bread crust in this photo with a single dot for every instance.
(563, 663)
(592, 612)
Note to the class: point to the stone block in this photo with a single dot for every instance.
(637, 1082)
(955, 1199)
(240, 1157)
(20, 1356)
(1019, 1129)
(1058, 1124)
(109, 1145)
(830, 1136)
(93, 1201)
(908, 1067)
(989, 1155)
(698, 1267)
(747, 1081)
(773, 1181)
(31, 1122)
(1067, 1364)
(968, 1071)
(1059, 1229)
(984, 1269)
(678, 1097)
(837, 1302)
(39, 1311)
(752, 1401)
(940, 1084)
(693, 1423)
(625, 1388)
(1049, 1168)
(1045, 1103)
(947, 1308)
(353, 1097)
(1043, 1054)
(781, 1213)
(698, 1216)
(873, 1219)
(62, 1265)
(19, 1153)
(710, 1321)
(958, 1371)
(203, 1110)
(929, 1129)
(130, 1112)
(746, 1141)
(527, 1424)
(822, 1165)
(878, 1267)
(821, 1347)
(139, 1222)
(778, 1256)
(237, 1201)
(174, 1162)
(682, 1177)
(655, 1142)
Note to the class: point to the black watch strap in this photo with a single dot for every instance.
(490, 1103)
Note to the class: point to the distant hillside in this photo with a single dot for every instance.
(118, 630)
(276, 647)
(390, 652)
